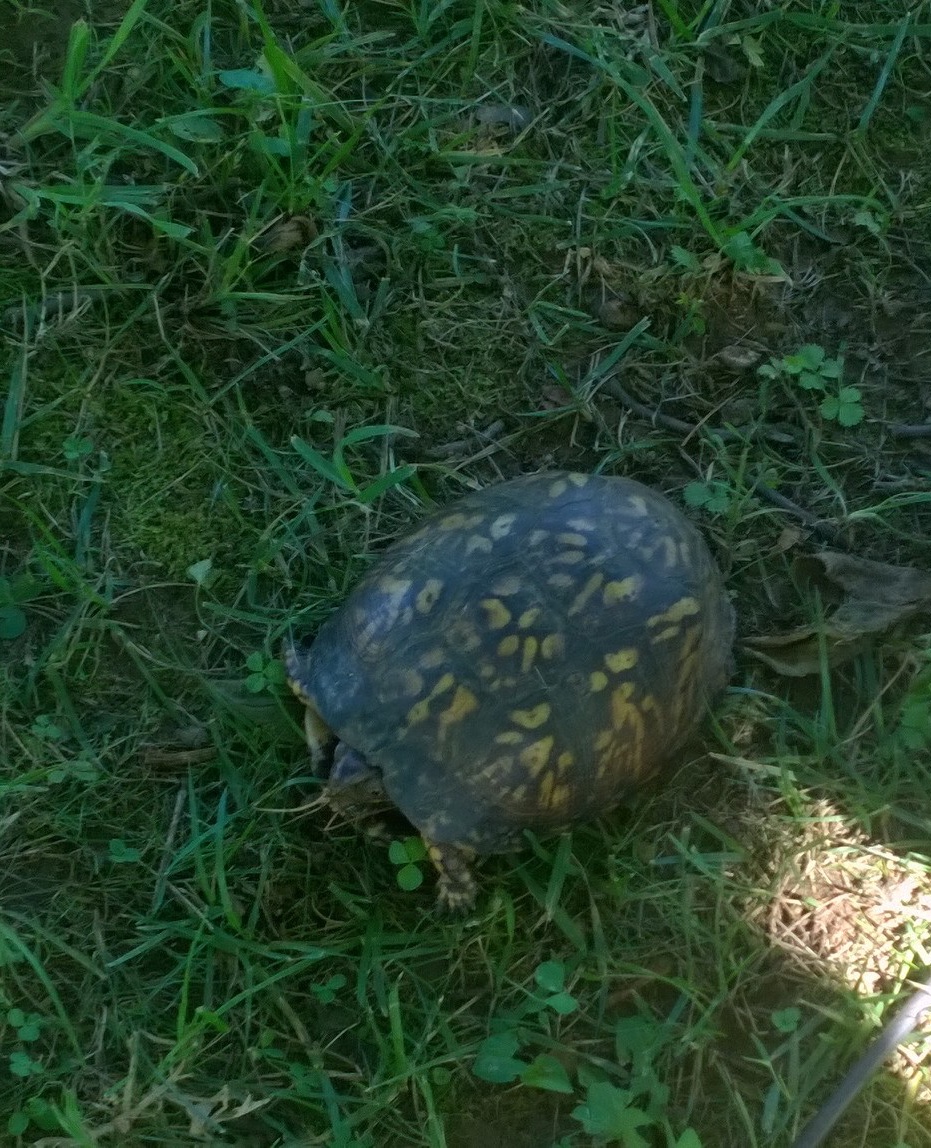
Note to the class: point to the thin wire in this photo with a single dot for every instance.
(903, 1023)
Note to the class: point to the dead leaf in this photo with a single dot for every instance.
(619, 313)
(797, 653)
(872, 598)
(723, 65)
(789, 538)
(554, 397)
(901, 586)
(514, 117)
(739, 357)
(286, 233)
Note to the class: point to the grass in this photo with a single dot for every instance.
(275, 279)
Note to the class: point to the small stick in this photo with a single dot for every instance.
(815, 524)
(726, 434)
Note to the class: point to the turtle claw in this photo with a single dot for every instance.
(456, 887)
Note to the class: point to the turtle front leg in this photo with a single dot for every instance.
(319, 739)
(456, 888)
(319, 735)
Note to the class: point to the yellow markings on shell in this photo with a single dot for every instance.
(412, 683)
(498, 614)
(464, 702)
(532, 718)
(509, 646)
(621, 707)
(621, 660)
(394, 587)
(462, 635)
(418, 535)
(433, 659)
(636, 503)
(501, 526)
(538, 537)
(531, 645)
(428, 595)
(370, 626)
(604, 739)
(509, 796)
(507, 585)
(552, 646)
(581, 524)
(624, 712)
(623, 591)
(420, 711)
(487, 670)
(685, 608)
(558, 488)
(569, 557)
(497, 771)
(479, 542)
(571, 539)
(552, 794)
(598, 680)
(687, 682)
(368, 633)
(460, 521)
(560, 581)
(670, 619)
(560, 796)
(669, 549)
(581, 599)
(509, 737)
(577, 478)
(564, 762)
(689, 641)
(527, 619)
(535, 757)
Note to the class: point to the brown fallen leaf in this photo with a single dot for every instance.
(872, 597)
(619, 312)
(789, 538)
(723, 65)
(739, 357)
(555, 397)
(286, 233)
(514, 117)
(903, 586)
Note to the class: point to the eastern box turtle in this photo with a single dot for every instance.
(522, 660)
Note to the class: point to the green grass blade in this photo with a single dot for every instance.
(882, 79)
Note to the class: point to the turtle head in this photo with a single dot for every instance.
(355, 787)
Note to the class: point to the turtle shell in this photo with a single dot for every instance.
(526, 657)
